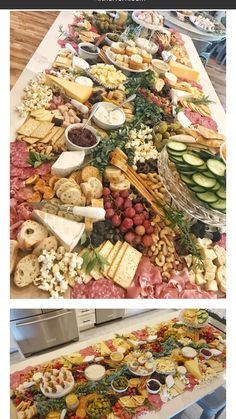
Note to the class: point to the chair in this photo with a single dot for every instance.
(213, 404)
(203, 49)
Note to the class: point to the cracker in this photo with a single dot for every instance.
(125, 272)
(42, 129)
(28, 127)
(50, 135)
(60, 140)
(57, 135)
(30, 140)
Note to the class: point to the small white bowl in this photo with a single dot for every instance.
(104, 125)
(188, 352)
(151, 338)
(88, 55)
(160, 66)
(153, 391)
(206, 356)
(73, 147)
(119, 391)
(108, 40)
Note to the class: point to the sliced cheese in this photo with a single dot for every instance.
(125, 272)
(117, 260)
(111, 257)
(105, 250)
(182, 71)
(105, 351)
(193, 368)
(68, 232)
(68, 162)
(73, 90)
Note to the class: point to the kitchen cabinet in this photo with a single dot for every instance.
(85, 319)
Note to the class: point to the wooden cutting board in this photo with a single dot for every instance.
(31, 291)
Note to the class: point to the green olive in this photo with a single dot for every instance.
(174, 126)
(166, 135)
(162, 128)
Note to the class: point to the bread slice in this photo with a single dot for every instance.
(14, 246)
(46, 244)
(116, 261)
(26, 271)
(31, 232)
(125, 272)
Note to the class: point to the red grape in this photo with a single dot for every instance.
(130, 212)
(138, 208)
(116, 220)
(109, 213)
(108, 205)
(119, 202)
(150, 230)
(127, 203)
(146, 224)
(137, 220)
(124, 194)
(147, 240)
(115, 194)
(127, 223)
(140, 230)
(146, 215)
(129, 237)
(137, 240)
(106, 191)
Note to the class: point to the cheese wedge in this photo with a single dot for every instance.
(125, 272)
(183, 72)
(68, 162)
(68, 232)
(73, 90)
(105, 250)
(117, 260)
(105, 351)
(193, 368)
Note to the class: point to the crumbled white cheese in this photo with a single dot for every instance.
(141, 142)
(55, 274)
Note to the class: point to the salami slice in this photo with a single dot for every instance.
(104, 288)
(15, 171)
(44, 169)
(80, 291)
(155, 401)
(19, 159)
(23, 194)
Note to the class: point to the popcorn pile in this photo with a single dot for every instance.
(37, 95)
(141, 142)
(58, 270)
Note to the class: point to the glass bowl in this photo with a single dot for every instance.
(183, 197)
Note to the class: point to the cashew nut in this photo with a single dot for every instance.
(166, 275)
(167, 266)
(171, 249)
(160, 244)
(170, 258)
(166, 240)
(160, 260)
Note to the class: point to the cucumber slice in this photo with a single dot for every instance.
(186, 172)
(219, 205)
(216, 167)
(208, 197)
(176, 159)
(176, 146)
(186, 179)
(192, 160)
(184, 166)
(221, 193)
(175, 153)
(217, 187)
(201, 320)
(197, 188)
(203, 181)
(208, 174)
(202, 168)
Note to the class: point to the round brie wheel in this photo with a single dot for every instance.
(85, 81)
(94, 372)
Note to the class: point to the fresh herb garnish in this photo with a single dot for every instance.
(146, 111)
(144, 80)
(36, 159)
(202, 100)
(91, 257)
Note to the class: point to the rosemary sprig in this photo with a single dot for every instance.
(202, 100)
(177, 220)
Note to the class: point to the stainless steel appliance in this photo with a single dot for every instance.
(36, 330)
(107, 315)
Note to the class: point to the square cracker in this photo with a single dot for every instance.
(50, 135)
(28, 127)
(43, 129)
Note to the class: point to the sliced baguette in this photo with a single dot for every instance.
(50, 243)
(26, 271)
(14, 246)
(31, 232)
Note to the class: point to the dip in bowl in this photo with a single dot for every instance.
(106, 120)
(78, 138)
